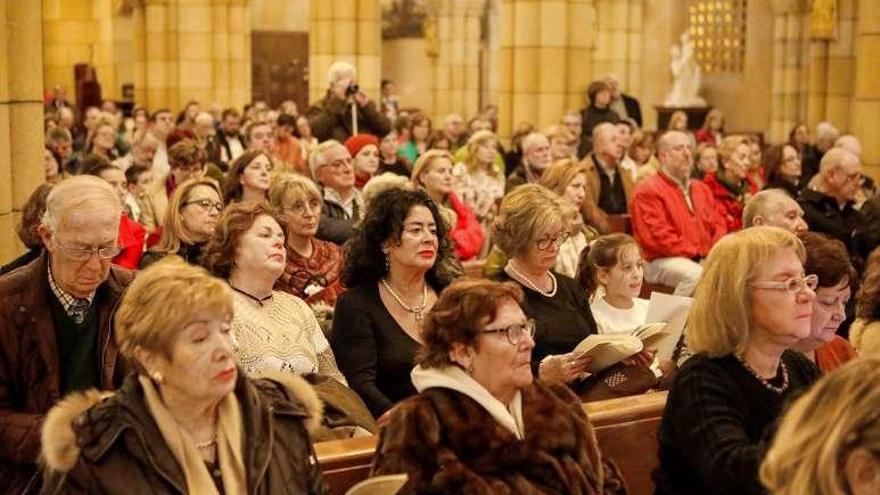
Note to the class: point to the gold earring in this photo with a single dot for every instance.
(157, 377)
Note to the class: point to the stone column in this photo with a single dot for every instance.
(832, 71)
(618, 43)
(865, 121)
(67, 39)
(457, 64)
(543, 60)
(345, 30)
(790, 51)
(21, 112)
(192, 49)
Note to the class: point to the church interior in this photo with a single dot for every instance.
(628, 246)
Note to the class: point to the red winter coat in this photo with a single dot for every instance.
(467, 235)
(729, 206)
(664, 226)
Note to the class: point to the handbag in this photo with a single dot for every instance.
(619, 380)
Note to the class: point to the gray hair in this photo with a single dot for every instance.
(825, 130)
(532, 140)
(762, 203)
(316, 159)
(78, 193)
(337, 69)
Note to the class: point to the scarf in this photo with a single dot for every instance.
(182, 446)
(455, 378)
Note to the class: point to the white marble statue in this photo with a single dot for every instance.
(685, 76)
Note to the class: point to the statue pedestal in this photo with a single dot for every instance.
(696, 116)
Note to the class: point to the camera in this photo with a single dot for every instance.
(352, 89)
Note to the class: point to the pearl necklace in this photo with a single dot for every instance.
(528, 282)
(207, 444)
(416, 311)
(766, 383)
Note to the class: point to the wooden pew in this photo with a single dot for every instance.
(620, 223)
(626, 429)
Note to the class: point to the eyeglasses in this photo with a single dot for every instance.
(85, 254)
(516, 333)
(545, 243)
(792, 285)
(205, 204)
(299, 208)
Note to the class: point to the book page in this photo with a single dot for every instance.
(673, 310)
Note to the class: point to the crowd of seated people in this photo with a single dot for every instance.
(202, 300)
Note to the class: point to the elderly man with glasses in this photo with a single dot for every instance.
(56, 320)
(332, 168)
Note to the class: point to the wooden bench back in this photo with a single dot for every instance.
(626, 429)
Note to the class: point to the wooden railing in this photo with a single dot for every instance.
(626, 429)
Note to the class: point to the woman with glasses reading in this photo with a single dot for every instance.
(189, 222)
(753, 304)
(481, 422)
(313, 266)
(531, 225)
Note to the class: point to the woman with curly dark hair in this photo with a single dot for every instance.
(394, 274)
(864, 334)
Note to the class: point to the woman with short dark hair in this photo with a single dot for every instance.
(481, 423)
(394, 274)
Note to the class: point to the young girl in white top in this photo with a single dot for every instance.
(611, 270)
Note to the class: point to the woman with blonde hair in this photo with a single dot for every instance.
(753, 304)
(728, 183)
(829, 440)
(712, 130)
(186, 420)
(864, 334)
(189, 222)
(433, 173)
(313, 266)
(476, 180)
(569, 181)
(531, 225)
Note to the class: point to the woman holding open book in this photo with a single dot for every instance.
(752, 305)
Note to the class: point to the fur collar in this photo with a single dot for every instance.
(61, 447)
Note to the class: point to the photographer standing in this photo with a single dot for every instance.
(331, 118)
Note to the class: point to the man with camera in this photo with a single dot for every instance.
(334, 116)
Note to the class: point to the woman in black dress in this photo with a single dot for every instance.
(393, 274)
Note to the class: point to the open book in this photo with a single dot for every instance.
(666, 318)
(387, 484)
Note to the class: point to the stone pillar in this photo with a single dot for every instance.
(68, 35)
(457, 63)
(790, 51)
(618, 43)
(21, 112)
(832, 71)
(192, 49)
(865, 121)
(543, 58)
(345, 30)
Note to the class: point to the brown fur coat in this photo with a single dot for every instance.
(447, 443)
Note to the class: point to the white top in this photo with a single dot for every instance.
(614, 320)
(281, 335)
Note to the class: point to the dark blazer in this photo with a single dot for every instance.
(633, 108)
(30, 374)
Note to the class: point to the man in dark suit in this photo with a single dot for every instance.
(624, 104)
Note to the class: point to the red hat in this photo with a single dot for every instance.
(357, 142)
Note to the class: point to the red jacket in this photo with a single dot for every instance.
(729, 206)
(664, 226)
(131, 242)
(467, 235)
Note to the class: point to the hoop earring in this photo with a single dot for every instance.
(157, 377)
